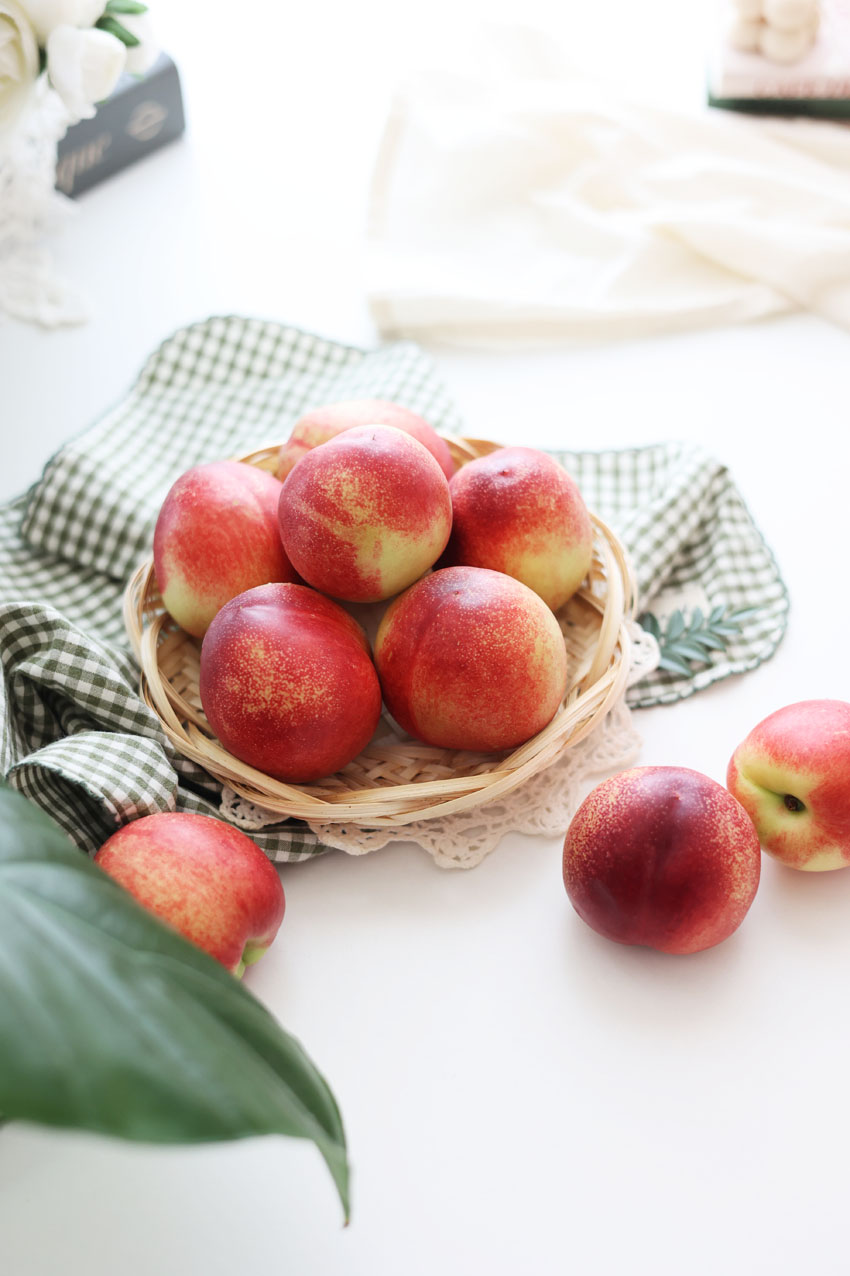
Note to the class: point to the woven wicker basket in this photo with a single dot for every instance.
(396, 780)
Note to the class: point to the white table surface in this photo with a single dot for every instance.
(519, 1094)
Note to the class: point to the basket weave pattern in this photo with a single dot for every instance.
(396, 780)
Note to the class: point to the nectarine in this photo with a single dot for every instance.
(217, 535)
(792, 776)
(205, 878)
(287, 682)
(324, 423)
(364, 515)
(471, 659)
(518, 511)
(662, 857)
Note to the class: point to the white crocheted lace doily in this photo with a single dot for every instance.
(543, 805)
(31, 209)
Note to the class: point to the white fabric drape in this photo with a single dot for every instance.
(520, 200)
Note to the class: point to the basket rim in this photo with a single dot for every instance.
(591, 694)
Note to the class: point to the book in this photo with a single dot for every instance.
(142, 114)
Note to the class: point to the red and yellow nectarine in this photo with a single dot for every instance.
(205, 878)
(217, 535)
(324, 423)
(518, 511)
(792, 775)
(471, 659)
(287, 682)
(364, 515)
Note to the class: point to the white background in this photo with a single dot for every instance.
(519, 1094)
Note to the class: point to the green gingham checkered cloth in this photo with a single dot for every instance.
(75, 736)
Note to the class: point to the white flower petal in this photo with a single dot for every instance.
(84, 66)
(18, 61)
(142, 56)
(47, 14)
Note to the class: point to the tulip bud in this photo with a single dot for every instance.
(141, 56)
(84, 66)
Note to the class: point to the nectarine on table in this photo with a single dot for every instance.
(662, 857)
(792, 775)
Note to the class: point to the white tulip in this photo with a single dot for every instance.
(18, 60)
(47, 14)
(141, 57)
(83, 67)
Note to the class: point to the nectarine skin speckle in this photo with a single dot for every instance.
(792, 775)
(205, 878)
(287, 682)
(217, 535)
(662, 857)
(471, 659)
(365, 514)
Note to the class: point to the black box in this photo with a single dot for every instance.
(141, 114)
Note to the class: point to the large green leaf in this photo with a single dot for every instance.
(112, 1022)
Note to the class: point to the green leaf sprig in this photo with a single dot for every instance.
(685, 643)
(109, 20)
(112, 1022)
